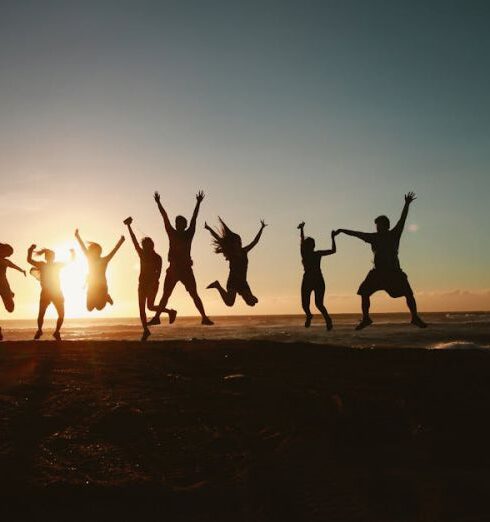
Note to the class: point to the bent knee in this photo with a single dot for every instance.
(9, 306)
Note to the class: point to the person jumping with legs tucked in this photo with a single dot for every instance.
(48, 274)
(313, 281)
(5, 292)
(180, 261)
(97, 292)
(149, 279)
(387, 274)
(229, 244)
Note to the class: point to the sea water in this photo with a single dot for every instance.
(446, 330)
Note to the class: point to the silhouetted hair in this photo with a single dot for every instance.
(147, 243)
(6, 250)
(383, 222)
(94, 249)
(308, 244)
(227, 242)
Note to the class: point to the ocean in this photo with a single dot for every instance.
(459, 330)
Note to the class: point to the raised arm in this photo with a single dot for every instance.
(14, 266)
(257, 237)
(168, 227)
(301, 228)
(199, 198)
(212, 232)
(112, 253)
(136, 244)
(31, 261)
(80, 242)
(334, 246)
(365, 236)
(409, 198)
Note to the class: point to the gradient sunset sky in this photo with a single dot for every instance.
(322, 111)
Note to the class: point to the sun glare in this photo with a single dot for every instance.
(73, 278)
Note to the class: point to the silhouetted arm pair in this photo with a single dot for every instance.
(257, 237)
(398, 228)
(211, 231)
(192, 225)
(334, 246)
(365, 236)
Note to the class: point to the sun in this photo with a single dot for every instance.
(73, 278)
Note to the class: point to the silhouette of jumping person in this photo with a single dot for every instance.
(229, 244)
(149, 278)
(5, 292)
(97, 291)
(48, 274)
(180, 261)
(313, 281)
(387, 274)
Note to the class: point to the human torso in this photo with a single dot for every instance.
(97, 272)
(150, 266)
(179, 252)
(385, 249)
(50, 277)
(239, 266)
(312, 264)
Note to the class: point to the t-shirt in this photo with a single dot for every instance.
(385, 248)
(179, 252)
(150, 267)
(49, 277)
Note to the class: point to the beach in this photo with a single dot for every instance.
(250, 430)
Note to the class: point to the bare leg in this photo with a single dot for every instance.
(412, 306)
(228, 296)
(305, 302)
(197, 301)
(43, 305)
(60, 308)
(319, 297)
(150, 304)
(366, 319)
(168, 288)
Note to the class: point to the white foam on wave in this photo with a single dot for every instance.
(459, 345)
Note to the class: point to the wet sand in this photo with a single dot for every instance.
(243, 431)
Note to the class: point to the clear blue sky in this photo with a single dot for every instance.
(323, 111)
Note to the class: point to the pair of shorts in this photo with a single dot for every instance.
(393, 282)
(184, 274)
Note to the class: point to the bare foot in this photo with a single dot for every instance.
(172, 314)
(363, 324)
(38, 335)
(57, 336)
(214, 284)
(308, 321)
(207, 321)
(146, 334)
(154, 322)
(329, 324)
(418, 322)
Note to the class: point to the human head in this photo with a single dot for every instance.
(180, 223)
(47, 253)
(94, 250)
(147, 244)
(382, 224)
(5, 250)
(309, 244)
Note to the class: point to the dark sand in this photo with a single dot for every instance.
(243, 431)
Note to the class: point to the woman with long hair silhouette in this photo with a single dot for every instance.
(5, 292)
(97, 292)
(229, 244)
(149, 279)
(48, 274)
(313, 281)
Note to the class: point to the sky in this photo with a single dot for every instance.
(322, 111)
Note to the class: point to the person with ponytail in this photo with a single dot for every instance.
(97, 291)
(48, 274)
(5, 292)
(229, 244)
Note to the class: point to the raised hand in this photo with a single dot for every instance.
(263, 224)
(301, 225)
(410, 197)
(156, 196)
(32, 247)
(77, 234)
(335, 233)
(200, 196)
(206, 226)
(128, 221)
(25, 273)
